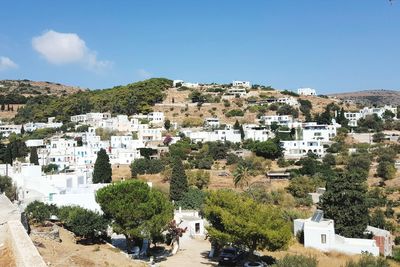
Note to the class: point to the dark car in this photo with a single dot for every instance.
(230, 256)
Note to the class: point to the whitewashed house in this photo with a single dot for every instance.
(257, 132)
(191, 220)
(71, 188)
(236, 92)
(230, 135)
(300, 148)
(243, 84)
(178, 83)
(291, 101)
(281, 120)
(319, 233)
(34, 143)
(314, 131)
(306, 91)
(124, 149)
(92, 118)
(212, 123)
(150, 134)
(154, 118)
(353, 118)
(32, 126)
(6, 130)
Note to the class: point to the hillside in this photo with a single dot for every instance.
(372, 97)
(34, 88)
(129, 99)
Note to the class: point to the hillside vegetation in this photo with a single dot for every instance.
(29, 88)
(129, 99)
(372, 97)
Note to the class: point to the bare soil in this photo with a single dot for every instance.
(70, 254)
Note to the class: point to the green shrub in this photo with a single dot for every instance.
(146, 166)
(297, 261)
(83, 222)
(368, 261)
(232, 159)
(234, 113)
(7, 186)
(39, 212)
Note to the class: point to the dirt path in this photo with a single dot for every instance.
(193, 253)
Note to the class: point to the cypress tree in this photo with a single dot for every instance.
(33, 158)
(102, 168)
(22, 130)
(179, 182)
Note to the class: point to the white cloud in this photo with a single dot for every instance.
(6, 64)
(66, 48)
(144, 74)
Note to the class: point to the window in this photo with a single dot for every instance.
(197, 228)
(323, 239)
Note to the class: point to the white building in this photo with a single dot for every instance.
(282, 120)
(155, 118)
(243, 84)
(291, 101)
(236, 92)
(213, 136)
(124, 149)
(179, 83)
(257, 133)
(34, 143)
(72, 188)
(319, 233)
(299, 148)
(306, 91)
(211, 122)
(6, 130)
(90, 118)
(353, 117)
(313, 131)
(32, 126)
(191, 220)
(150, 134)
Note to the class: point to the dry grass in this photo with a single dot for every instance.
(121, 172)
(6, 256)
(70, 254)
(330, 259)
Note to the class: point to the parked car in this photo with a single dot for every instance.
(254, 264)
(230, 256)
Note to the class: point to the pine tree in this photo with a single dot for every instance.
(102, 168)
(179, 182)
(33, 158)
(345, 202)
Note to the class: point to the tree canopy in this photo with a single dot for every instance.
(237, 219)
(129, 99)
(136, 210)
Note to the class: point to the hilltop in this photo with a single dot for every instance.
(372, 97)
(34, 88)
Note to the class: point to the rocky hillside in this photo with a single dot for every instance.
(33, 88)
(372, 97)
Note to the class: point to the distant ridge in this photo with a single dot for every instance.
(35, 88)
(378, 97)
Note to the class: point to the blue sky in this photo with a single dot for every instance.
(333, 46)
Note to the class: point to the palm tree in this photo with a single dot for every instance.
(241, 176)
